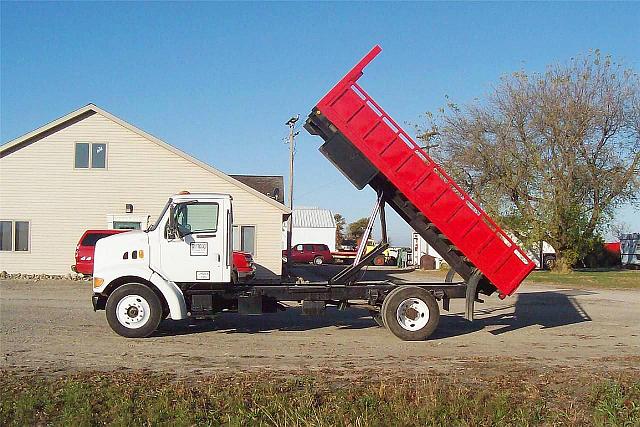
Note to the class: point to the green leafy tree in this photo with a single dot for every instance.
(550, 154)
(356, 229)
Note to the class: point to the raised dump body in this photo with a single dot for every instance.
(369, 148)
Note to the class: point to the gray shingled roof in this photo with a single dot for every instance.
(313, 218)
(270, 185)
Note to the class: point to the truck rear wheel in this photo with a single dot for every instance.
(134, 311)
(411, 313)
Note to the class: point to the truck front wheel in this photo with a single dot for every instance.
(411, 313)
(134, 311)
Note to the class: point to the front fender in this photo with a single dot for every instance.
(173, 295)
(108, 275)
(169, 290)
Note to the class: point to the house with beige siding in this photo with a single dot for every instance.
(92, 170)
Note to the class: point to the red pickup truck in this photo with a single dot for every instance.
(244, 268)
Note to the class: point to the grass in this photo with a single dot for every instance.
(582, 278)
(590, 278)
(138, 398)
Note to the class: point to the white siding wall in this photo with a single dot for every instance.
(38, 183)
(314, 235)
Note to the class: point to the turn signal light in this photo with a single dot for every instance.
(97, 282)
(140, 254)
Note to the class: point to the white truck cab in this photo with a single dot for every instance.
(138, 274)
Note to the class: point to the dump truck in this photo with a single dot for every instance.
(181, 266)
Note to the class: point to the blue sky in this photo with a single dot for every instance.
(219, 80)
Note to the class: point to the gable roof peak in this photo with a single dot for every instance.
(90, 109)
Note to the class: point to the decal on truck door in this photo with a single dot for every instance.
(202, 275)
(199, 249)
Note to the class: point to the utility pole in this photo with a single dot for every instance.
(292, 134)
(425, 137)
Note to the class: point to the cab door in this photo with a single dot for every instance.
(196, 252)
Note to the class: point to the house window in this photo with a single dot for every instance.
(126, 225)
(98, 156)
(14, 236)
(82, 155)
(244, 238)
(90, 155)
(22, 236)
(6, 235)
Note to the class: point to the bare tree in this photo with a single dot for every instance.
(340, 223)
(552, 154)
(619, 228)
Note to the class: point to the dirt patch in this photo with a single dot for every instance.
(50, 326)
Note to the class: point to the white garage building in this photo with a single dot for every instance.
(91, 170)
(313, 225)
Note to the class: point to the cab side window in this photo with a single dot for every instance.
(197, 218)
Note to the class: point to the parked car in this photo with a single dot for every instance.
(309, 252)
(244, 268)
(85, 248)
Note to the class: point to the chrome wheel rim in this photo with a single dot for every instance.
(412, 314)
(133, 311)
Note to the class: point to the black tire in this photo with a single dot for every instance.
(318, 260)
(146, 294)
(403, 296)
(549, 262)
(377, 317)
(384, 304)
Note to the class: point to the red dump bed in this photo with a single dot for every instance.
(423, 182)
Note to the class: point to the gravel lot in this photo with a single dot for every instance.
(50, 326)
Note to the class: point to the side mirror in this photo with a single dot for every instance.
(172, 229)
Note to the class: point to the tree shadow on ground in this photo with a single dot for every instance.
(548, 309)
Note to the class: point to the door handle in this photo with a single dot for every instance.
(204, 236)
(218, 257)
